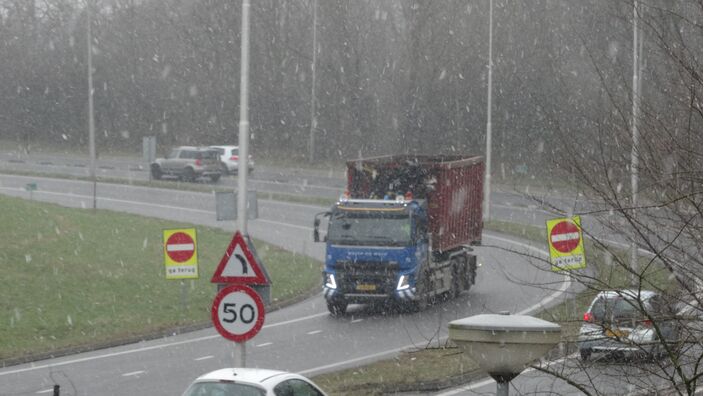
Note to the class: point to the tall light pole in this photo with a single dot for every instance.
(91, 118)
(635, 90)
(313, 117)
(243, 164)
(487, 182)
(242, 175)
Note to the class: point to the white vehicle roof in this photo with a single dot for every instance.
(644, 294)
(227, 147)
(246, 375)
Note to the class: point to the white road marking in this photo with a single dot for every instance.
(297, 320)
(149, 348)
(133, 373)
(284, 224)
(314, 332)
(45, 391)
(356, 320)
(488, 381)
(566, 283)
(204, 358)
(361, 358)
(264, 344)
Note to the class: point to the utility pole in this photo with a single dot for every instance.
(243, 162)
(487, 182)
(313, 117)
(91, 119)
(635, 89)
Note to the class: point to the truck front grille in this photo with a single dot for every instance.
(366, 277)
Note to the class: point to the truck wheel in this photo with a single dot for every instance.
(188, 175)
(453, 291)
(156, 172)
(471, 268)
(459, 271)
(337, 308)
(418, 305)
(422, 302)
(584, 354)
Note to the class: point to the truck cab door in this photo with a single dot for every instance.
(170, 160)
(421, 238)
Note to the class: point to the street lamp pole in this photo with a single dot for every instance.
(243, 172)
(487, 182)
(313, 117)
(635, 90)
(91, 118)
(243, 162)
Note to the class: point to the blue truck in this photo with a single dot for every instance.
(403, 231)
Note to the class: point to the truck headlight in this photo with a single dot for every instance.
(330, 281)
(403, 283)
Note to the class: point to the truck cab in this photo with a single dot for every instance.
(374, 248)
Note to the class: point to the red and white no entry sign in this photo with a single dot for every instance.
(237, 313)
(180, 247)
(565, 236)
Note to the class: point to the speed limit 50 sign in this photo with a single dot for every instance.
(237, 313)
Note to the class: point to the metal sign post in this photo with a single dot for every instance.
(181, 258)
(149, 152)
(238, 315)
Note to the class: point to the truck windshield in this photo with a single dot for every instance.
(370, 228)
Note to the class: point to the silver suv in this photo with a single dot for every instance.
(188, 163)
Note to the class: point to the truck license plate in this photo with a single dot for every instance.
(615, 333)
(366, 287)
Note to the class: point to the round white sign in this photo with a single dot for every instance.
(238, 313)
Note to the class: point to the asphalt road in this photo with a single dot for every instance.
(302, 338)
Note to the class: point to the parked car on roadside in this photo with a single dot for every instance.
(619, 321)
(230, 158)
(188, 163)
(252, 382)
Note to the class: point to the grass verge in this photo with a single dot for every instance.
(418, 370)
(73, 277)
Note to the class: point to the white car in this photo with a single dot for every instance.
(252, 382)
(230, 157)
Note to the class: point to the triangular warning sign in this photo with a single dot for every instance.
(239, 264)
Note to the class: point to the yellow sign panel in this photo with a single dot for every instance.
(181, 253)
(566, 244)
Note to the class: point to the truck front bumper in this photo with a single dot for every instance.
(406, 295)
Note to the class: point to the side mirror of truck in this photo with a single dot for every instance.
(316, 225)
